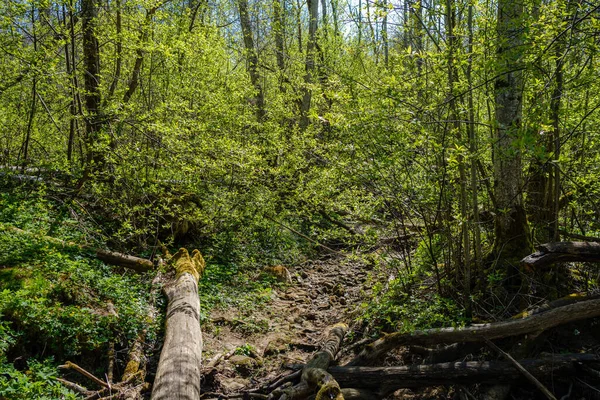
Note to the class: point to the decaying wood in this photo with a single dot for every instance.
(451, 352)
(90, 376)
(315, 377)
(179, 368)
(109, 257)
(73, 386)
(358, 394)
(563, 301)
(522, 370)
(412, 376)
(551, 253)
(478, 333)
(122, 260)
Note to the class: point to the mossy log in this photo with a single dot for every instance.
(551, 253)
(315, 377)
(478, 333)
(384, 380)
(109, 257)
(179, 368)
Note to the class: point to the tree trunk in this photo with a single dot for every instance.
(252, 58)
(551, 253)
(478, 333)
(313, 13)
(179, 368)
(387, 379)
(91, 61)
(512, 241)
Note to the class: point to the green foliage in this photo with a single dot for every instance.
(225, 286)
(245, 350)
(36, 383)
(57, 299)
(394, 309)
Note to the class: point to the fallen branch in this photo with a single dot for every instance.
(551, 253)
(109, 257)
(478, 333)
(388, 379)
(90, 376)
(315, 377)
(522, 370)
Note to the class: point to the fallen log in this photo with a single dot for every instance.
(109, 257)
(412, 376)
(179, 367)
(315, 377)
(551, 253)
(478, 333)
(523, 370)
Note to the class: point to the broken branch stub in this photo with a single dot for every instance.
(551, 253)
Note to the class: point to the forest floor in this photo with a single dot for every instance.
(321, 293)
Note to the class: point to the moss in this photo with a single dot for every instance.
(131, 369)
(183, 263)
(330, 390)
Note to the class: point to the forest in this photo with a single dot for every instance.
(290, 199)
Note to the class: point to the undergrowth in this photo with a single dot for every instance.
(59, 303)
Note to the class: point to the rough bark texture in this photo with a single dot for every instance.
(123, 260)
(551, 253)
(314, 374)
(313, 14)
(179, 368)
(393, 378)
(533, 323)
(252, 58)
(511, 228)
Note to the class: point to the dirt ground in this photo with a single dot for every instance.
(291, 326)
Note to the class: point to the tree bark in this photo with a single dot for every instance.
(313, 15)
(252, 58)
(478, 333)
(511, 227)
(91, 56)
(179, 368)
(411, 376)
(314, 374)
(551, 253)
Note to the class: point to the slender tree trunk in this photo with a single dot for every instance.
(473, 145)
(179, 368)
(313, 13)
(512, 241)
(465, 220)
(279, 34)
(91, 55)
(27, 139)
(73, 104)
(252, 58)
(118, 51)
(555, 117)
(384, 34)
